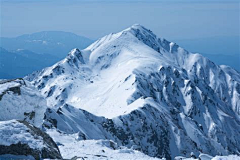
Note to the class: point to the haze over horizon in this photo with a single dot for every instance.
(93, 19)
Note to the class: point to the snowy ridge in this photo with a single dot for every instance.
(161, 98)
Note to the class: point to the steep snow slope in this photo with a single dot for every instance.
(20, 100)
(139, 90)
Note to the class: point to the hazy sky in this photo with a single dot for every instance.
(183, 19)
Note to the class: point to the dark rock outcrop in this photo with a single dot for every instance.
(49, 148)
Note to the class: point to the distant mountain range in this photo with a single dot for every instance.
(22, 62)
(30, 52)
(56, 43)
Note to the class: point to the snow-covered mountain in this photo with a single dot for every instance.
(131, 93)
(144, 92)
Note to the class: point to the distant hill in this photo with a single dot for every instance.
(22, 62)
(56, 43)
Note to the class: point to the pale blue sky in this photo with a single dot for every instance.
(167, 18)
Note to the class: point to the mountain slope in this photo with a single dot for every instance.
(139, 90)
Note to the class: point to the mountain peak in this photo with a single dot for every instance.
(129, 35)
(138, 26)
(150, 39)
(137, 38)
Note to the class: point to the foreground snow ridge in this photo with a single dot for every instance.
(13, 132)
(132, 95)
(19, 138)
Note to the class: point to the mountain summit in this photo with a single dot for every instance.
(145, 93)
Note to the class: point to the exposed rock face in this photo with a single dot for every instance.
(15, 89)
(22, 138)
